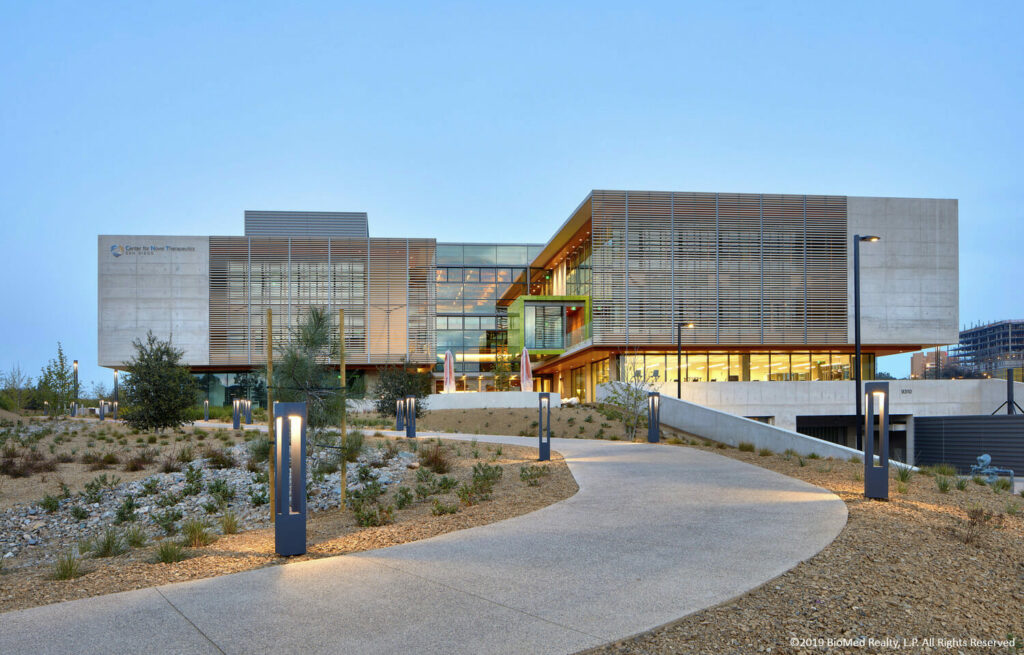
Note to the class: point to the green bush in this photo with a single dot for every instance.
(169, 552)
(50, 504)
(440, 508)
(942, 483)
(961, 484)
(259, 449)
(403, 497)
(221, 491)
(79, 513)
(126, 511)
(1001, 484)
(135, 536)
(67, 566)
(196, 533)
(353, 446)
(531, 474)
(434, 458)
(371, 515)
(229, 523)
(746, 447)
(258, 496)
(109, 544)
(903, 473)
(167, 520)
(149, 487)
(765, 452)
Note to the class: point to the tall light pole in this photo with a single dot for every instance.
(856, 331)
(679, 357)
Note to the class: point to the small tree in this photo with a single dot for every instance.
(397, 382)
(629, 397)
(57, 382)
(303, 373)
(503, 366)
(158, 391)
(16, 385)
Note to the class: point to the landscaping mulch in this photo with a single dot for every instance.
(330, 533)
(899, 571)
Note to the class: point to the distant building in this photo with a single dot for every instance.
(922, 365)
(993, 348)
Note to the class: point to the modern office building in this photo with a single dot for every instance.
(764, 284)
(993, 348)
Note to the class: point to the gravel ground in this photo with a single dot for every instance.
(899, 571)
(27, 581)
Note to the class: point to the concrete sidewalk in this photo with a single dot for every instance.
(654, 533)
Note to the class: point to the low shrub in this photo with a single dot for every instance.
(149, 487)
(79, 513)
(126, 511)
(403, 497)
(196, 533)
(50, 504)
(1001, 484)
(168, 499)
(170, 464)
(440, 508)
(372, 515)
(219, 459)
(942, 483)
(814, 456)
(903, 473)
(229, 523)
(961, 484)
(109, 544)
(353, 446)
(435, 458)
(221, 491)
(746, 447)
(167, 520)
(169, 552)
(765, 452)
(978, 480)
(979, 522)
(67, 566)
(532, 474)
(855, 459)
(258, 496)
(135, 536)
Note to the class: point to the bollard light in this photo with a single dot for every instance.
(236, 414)
(544, 426)
(410, 417)
(876, 478)
(46, 408)
(400, 414)
(206, 410)
(653, 417)
(102, 410)
(115, 410)
(248, 411)
(290, 480)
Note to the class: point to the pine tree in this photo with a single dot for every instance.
(57, 382)
(158, 391)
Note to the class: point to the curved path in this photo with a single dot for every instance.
(654, 533)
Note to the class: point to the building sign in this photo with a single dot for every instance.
(144, 251)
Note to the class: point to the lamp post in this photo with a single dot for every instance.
(74, 406)
(876, 478)
(679, 357)
(856, 331)
(290, 494)
(544, 426)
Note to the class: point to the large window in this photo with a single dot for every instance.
(747, 367)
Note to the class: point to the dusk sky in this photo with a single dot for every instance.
(467, 122)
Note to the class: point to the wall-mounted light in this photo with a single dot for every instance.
(290, 479)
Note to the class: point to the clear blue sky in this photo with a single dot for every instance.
(459, 121)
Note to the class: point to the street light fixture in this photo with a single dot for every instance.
(679, 356)
(857, 238)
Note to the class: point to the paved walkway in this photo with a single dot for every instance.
(654, 533)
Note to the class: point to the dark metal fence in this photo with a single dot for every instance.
(958, 440)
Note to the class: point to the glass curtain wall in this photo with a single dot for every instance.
(748, 367)
(470, 278)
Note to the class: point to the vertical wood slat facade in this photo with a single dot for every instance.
(386, 287)
(746, 269)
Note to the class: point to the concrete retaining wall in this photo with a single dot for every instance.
(488, 400)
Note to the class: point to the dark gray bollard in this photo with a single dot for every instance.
(653, 417)
(876, 478)
(236, 414)
(248, 412)
(410, 417)
(400, 414)
(102, 410)
(290, 482)
(544, 426)
(206, 410)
